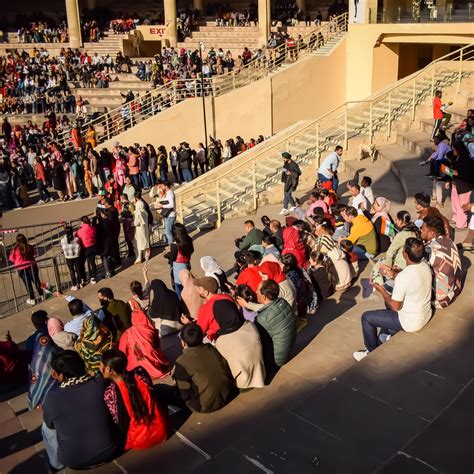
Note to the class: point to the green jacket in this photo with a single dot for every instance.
(278, 320)
(254, 237)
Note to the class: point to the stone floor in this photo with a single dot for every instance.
(405, 408)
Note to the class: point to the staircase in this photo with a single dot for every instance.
(237, 187)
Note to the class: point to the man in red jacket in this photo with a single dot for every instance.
(208, 288)
(439, 114)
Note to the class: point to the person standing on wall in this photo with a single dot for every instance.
(328, 168)
(439, 114)
(290, 178)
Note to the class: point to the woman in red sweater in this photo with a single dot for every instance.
(130, 400)
(23, 258)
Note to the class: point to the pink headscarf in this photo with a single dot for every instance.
(383, 204)
(55, 326)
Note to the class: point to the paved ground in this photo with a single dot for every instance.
(405, 408)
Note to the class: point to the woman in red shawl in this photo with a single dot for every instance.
(292, 244)
(129, 398)
(141, 344)
(273, 271)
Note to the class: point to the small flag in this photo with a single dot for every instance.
(387, 228)
(448, 171)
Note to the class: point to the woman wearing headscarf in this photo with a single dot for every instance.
(292, 244)
(129, 398)
(164, 308)
(63, 339)
(95, 338)
(190, 294)
(239, 343)
(40, 379)
(273, 271)
(212, 269)
(141, 344)
(142, 233)
(383, 223)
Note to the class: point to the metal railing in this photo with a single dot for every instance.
(124, 117)
(352, 119)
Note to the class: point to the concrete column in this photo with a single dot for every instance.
(199, 5)
(73, 23)
(170, 21)
(302, 5)
(263, 21)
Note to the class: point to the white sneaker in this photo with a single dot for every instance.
(384, 337)
(40, 201)
(359, 355)
(30, 302)
(284, 211)
(293, 208)
(93, 282)
(74, 288)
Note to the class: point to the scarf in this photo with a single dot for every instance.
(190, 293)
(273, 271)
(141, 344)
(40, 380)
(383, 206)
(95, 339)
(210, 267)
(228, 317)
(75, 381)
(164, 303)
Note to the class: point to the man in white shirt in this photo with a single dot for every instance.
(410, 302)
(328, 169)
(167, 204)
(366, 189)
(358, 200)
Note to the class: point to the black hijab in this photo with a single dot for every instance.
(228, 317)
(164, 303)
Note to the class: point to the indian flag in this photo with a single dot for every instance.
(448, 171)
(387, 228)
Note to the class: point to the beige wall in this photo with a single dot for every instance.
(374, 69)
(303, 91)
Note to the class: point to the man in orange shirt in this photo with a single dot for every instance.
(439, 114)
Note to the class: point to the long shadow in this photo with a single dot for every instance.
(18, 441)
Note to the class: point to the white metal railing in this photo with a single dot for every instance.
(354, 118)
(116, 121)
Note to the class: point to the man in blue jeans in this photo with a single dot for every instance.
(289, 177)
(168, 206)
(409, 306)
(328, 169)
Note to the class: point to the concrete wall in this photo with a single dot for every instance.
(304, 91)
(372, 50)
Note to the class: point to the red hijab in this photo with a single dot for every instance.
(273, 271)
(292, 244)
(141, 344)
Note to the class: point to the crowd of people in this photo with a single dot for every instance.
(79, 171)
(234, 335)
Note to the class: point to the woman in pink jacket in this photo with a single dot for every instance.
(23, 258)
(120, 170)
(87, 238)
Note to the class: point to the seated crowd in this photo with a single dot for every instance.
(234, 336)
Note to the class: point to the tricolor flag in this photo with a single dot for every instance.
(448, 171)
(387, 227)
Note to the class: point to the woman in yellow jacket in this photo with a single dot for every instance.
(91, 139)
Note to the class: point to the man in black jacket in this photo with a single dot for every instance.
(78, 431)
(185, 161)
(289, 177)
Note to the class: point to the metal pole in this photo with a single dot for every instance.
(318, 154)
(218, 203)
(254, 184)
(13, 290)
(460, 70)
(57, 277)
(203, 98)
(413, 105)
(345, 127)
(371, 126)
(389, 124)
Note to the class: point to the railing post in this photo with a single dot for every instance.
(371, 124)
(180, 209)
(413, 104)
(13, 290)
(389, 122)
(345, 128)
(218, 204)
(254, 183)
(318, 154)
(57, 277)
(433, 67)
(108, 125)
(174, 93)
(460, 70)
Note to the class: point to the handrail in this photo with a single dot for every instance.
(461, 55)
(119, 119)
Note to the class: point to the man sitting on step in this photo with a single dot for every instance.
(409, 305)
